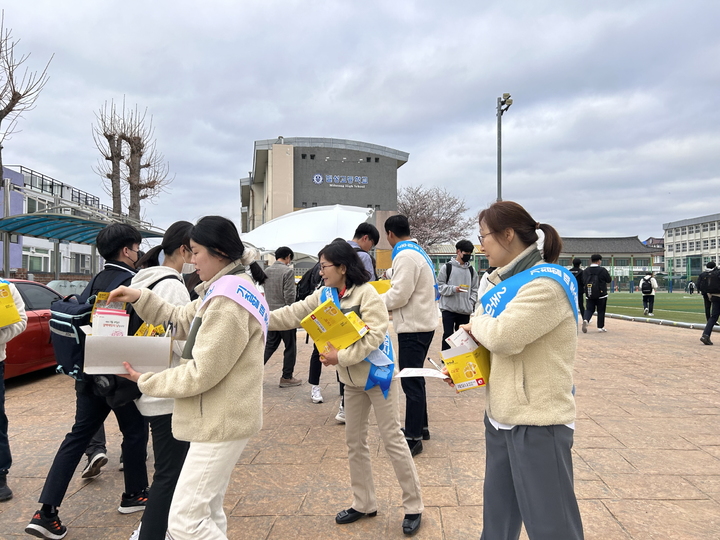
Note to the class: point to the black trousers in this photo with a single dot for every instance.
(714, 315)
(90, 413)
(600, 304)
(315, 370)
(5, 455)
(289, 338)
(451, 322)
(707, 303)
(648, 302)
(169, 458)
(413, 348)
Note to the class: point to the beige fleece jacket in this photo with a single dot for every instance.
(366, 302)
(533, 343)
(411, 297)
(218, 385)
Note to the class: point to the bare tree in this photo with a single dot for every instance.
(147, 172)
(130, 160)
(106, 134)
(435, 215)
(19, 88)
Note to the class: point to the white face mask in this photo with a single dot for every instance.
(188, 268)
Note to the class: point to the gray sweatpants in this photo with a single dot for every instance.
(529, 479)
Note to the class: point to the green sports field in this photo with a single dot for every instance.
(676, 306)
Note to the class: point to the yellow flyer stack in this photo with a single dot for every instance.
(467, 362)
(8, 312)
(328, 324)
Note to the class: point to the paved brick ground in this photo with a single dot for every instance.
(647, 452)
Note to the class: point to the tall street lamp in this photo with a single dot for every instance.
(503, 104)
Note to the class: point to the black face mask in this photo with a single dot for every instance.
(465, 257)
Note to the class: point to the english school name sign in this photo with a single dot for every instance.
(342, 181)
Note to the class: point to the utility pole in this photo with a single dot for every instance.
(503, 104)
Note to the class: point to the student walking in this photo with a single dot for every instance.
(648, 286)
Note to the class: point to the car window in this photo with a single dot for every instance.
(37, 296)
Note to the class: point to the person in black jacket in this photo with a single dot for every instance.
(118, 244)
(595, 280)
(577, 272)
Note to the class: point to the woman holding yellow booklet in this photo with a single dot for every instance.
(528, 321)
(345, 280)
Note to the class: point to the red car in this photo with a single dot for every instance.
(32, 350)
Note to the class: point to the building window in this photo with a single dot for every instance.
(670, 233)
(368, 159)
(712, 226)
(713, 243)
(312, 156)
(678, 263)
(705, 227)
(314, 204)
(622, 262)
(35, 205)
(377, 160)
(303, 156)
(684, 247)
(705, 244)
(304, 205)
(670, 248)
(13, 238)
(683, 230)
(642, 262)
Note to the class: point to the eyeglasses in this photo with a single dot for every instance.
(480, 236)
(324, 266)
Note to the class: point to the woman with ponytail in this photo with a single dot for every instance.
(218, 385)
(165, 280)
(528, 322)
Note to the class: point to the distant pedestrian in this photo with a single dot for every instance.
(691, 287)
(711, 287)
(595, 281)
(702, 287)
(458, 285)
(648, 286)
(577, 271)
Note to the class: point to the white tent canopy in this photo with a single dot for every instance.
(308, 231)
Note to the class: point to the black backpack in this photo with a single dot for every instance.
(308, 283)
(448, 269)
(66, 318)
(713, 281)
(135, 321)
(646, 285)
(591, 279)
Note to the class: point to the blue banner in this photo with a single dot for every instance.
(382, 360)
(496, 299)
(407, 244)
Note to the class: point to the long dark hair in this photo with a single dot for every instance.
(219, 236)
(176, 236)
(339, 252)
(257, 273)
(510, 215)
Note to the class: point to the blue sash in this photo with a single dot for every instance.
(381, 360)
(407, 244)
(496, 299)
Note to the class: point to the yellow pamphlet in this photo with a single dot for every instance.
(328, 324)
(101, 302)
(381, 286)
(468, 365)
(8, 312)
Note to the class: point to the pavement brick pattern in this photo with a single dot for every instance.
(647, 452)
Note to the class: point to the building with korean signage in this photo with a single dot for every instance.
(290, 174)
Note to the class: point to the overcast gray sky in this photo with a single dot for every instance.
(614, 128)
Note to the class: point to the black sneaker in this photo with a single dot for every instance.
(133, 503)
(94, 464)
(42, 526)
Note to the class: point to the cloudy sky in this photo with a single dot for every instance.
(614, 130)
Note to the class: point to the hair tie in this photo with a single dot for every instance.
(249, 256)
(537, 225)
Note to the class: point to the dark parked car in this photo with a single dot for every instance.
(32, 350)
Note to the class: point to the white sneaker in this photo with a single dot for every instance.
(315, 394)
(602, 330)
(651, 314)
(136, 533)
(584, 327)
(340, 416)
(646, 311)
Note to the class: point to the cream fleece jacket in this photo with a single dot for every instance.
(533, 343)
(173, 291)
(366, 302)
(12, 330)
(411, 297)
(218, 385)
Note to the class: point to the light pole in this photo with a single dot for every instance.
(503, 104)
